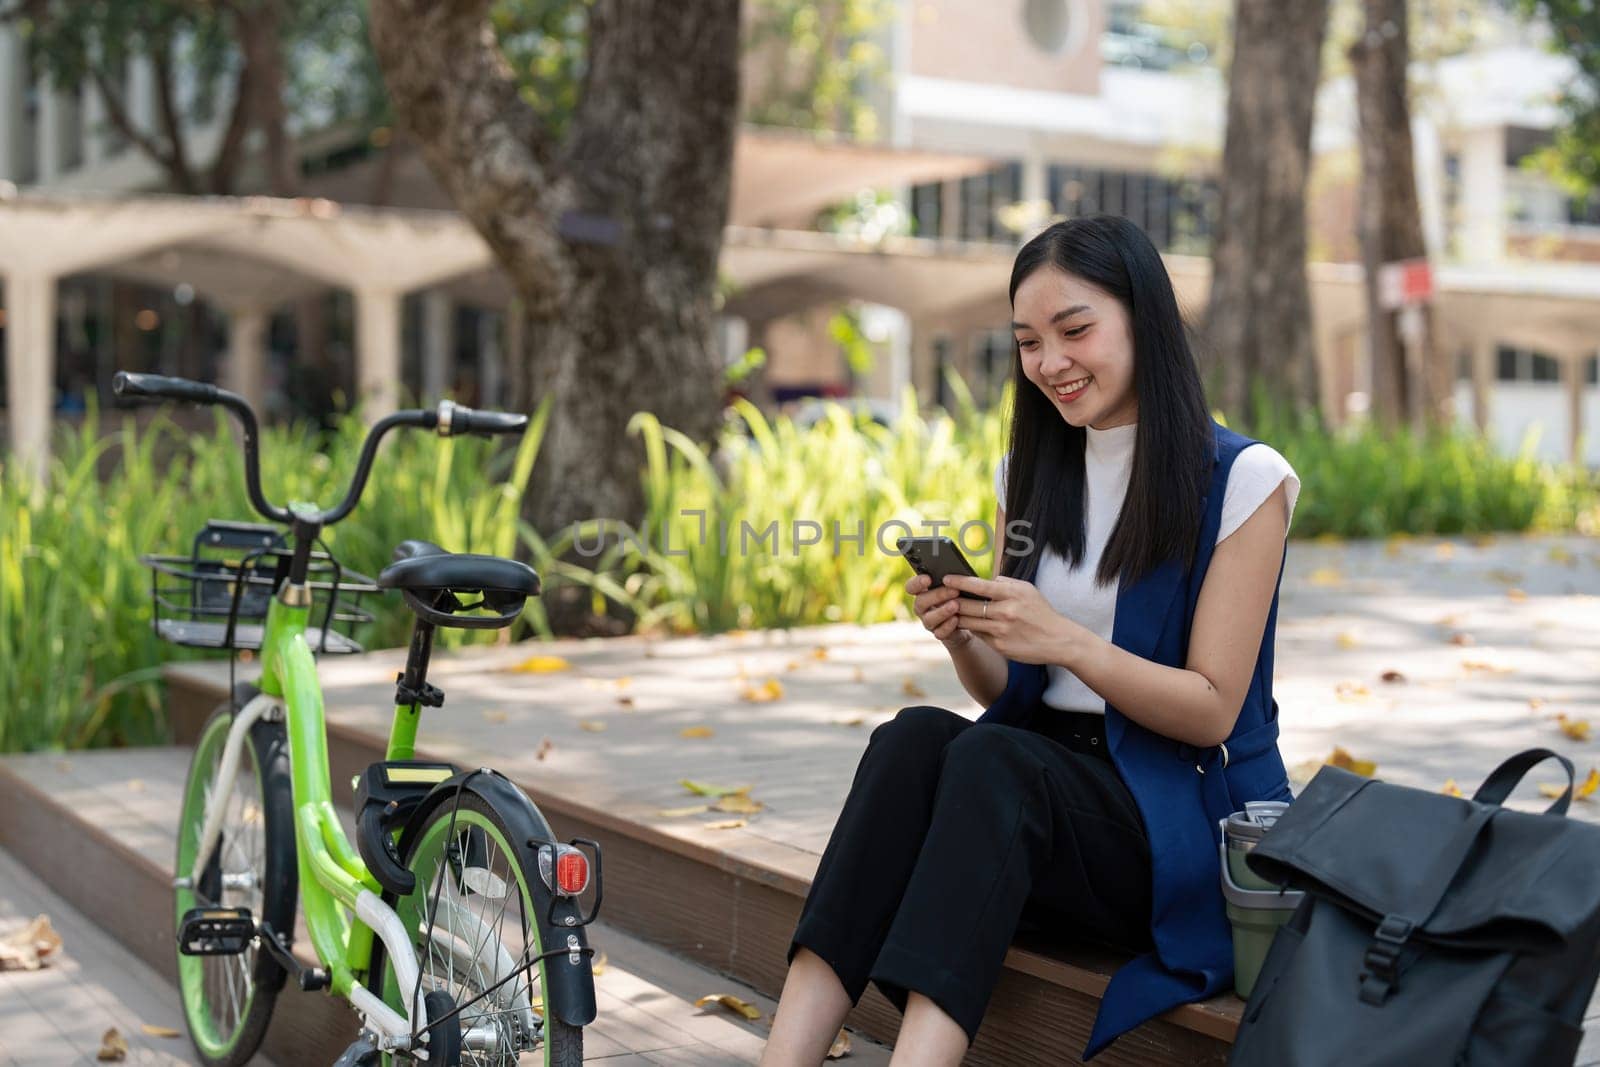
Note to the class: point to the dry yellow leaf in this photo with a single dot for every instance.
(597, 966)
(591, 726)
(688, 809)
(765, 693)
(160, 1031)
(624, 682)
(840, 1047)
(1342, 758)
(540, 665)
(732, 1003)
(1392, 677)
(1516, 594)
(1461, 639)
(1584, 790)
(725, 824)
(1484, 665)
(113, 1047)
(820, 652)
(495, 715)
(26, 949)
(792, 665)
(1450, 788)
(1576, 729)
(1327, 577)
(737, 804)
(854, 720)
(1535, 703)
(911, 689)
(1444, 550)
(692, 732)
(1352, 692)
(705, 790)
(1349, 640)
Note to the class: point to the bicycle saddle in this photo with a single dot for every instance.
(432, 580)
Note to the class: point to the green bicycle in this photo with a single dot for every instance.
(455, 925)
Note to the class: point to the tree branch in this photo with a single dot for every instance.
(118, 113)
(171, 123)
(226, 166)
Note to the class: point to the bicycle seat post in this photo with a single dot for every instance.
(412, 689)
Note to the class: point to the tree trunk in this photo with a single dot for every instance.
(610, 237)
(1258, 320)
(260, 31)
(1390, 220)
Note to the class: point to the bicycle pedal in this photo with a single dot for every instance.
(216, 931)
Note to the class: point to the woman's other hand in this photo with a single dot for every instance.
(937, 608)
(1017, 621)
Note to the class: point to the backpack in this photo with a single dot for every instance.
(1434, 930)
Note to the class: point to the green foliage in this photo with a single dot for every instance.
(1575, 32)
(819, 62)
(76, 645)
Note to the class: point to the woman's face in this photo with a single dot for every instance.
(1077, 348)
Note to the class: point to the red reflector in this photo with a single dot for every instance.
(572, 872)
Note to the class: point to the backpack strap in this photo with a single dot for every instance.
(1504, 778)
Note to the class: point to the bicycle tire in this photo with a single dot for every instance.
(562, 1043)
(262, 781)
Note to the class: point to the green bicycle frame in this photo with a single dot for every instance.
(332, 873)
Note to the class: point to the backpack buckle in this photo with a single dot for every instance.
(1382, 958)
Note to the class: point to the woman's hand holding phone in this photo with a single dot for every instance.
(937, 608)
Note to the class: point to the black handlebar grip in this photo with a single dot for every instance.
(466, 420)
(127, 386)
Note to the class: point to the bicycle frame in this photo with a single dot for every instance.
(334, 881)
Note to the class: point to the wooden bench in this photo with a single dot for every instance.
(734, 912)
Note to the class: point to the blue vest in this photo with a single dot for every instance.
(1181, 791)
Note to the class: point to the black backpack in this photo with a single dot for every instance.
(1434, 930)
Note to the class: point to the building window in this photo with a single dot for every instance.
(927, 208)
(1052, 24)
(982, 197)
(1523, 365)
(1177, 214)
(1591, 371)
(1545, 369)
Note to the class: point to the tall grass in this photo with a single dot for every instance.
(78, 658)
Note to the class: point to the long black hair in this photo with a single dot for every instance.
(1173, 446)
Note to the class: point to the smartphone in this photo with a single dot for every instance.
(937, 557)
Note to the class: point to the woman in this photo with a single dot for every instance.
(1124, 659)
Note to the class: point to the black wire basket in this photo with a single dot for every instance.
(217, 596)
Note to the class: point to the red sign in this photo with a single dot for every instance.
(1405, 283)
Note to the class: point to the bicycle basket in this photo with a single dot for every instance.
(217, 596)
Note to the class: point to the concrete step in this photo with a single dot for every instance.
(96, 829)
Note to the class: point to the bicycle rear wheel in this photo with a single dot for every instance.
(484, 928)
(228, 1000)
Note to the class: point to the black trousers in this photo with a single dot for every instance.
(956, 837)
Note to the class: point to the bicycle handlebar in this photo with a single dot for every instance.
(450, 420)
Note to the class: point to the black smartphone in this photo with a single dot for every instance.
(936, 557)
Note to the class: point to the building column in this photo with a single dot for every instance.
(1483, 195)
(377, 351)
(1483, 353)
(245, 372)
(31, 367)
(438, 345)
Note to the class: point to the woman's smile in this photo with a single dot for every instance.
(1067, 392)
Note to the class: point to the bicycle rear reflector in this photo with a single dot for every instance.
(571, 874)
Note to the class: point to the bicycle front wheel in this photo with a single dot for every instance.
(228, 1000)
(481, 894)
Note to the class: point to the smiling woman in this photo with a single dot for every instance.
(1124, 660)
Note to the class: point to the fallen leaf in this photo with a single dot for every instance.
(597, 966)
(858, 675)
(1558, 554)
(626, 702)
(1535, 703)
(1483, 541)
(1326, 577)
(624, 681)
(840, 1047)
(540, 665)
(591, 726)
(854, 720)
(544, 749)
(1461, 639)
(1584, 790)
(765, 693)
(26, 949)
(1352, 692)
(725, 824)
(732, 1003)
(696, 731)
(792, 665)
(705, 790)
(820, 652)
(676, 813)
(1450, 788)
(737, 804)
(113, 1047)
(495, 715)
(160, 1031)
(1444, 550)
(1484, 666)
(1516, 594)
(1349, 640)
(1342, 758)
(1392, 676)
(1576, 729)
(911, 689)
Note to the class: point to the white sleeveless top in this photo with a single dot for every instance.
(1073, 591)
